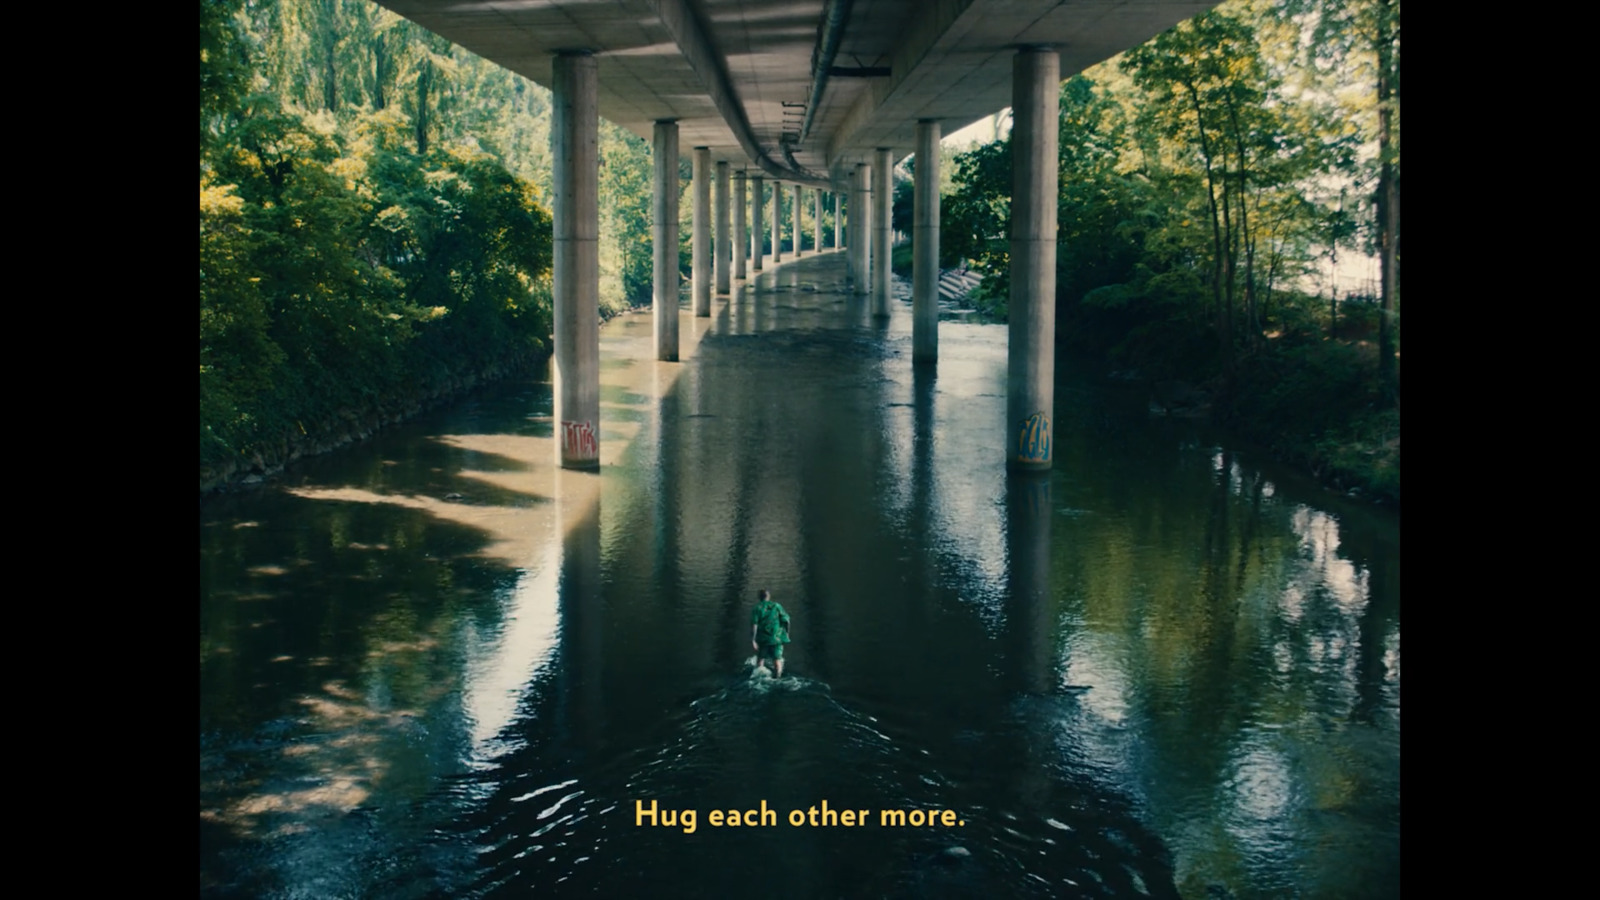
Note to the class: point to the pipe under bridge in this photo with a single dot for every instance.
(819, 95)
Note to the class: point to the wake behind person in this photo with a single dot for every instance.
(769, 631)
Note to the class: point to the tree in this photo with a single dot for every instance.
(224, 65)
(1363, 36)
(626, 176)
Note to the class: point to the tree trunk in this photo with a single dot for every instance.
(1388, 203)
(1246, 238)
(1224, 338)
(1230, 245)
(380, 70)
(330, 56)
(330, 79)
(423, 78)
(1274, 257)
(1333, 286)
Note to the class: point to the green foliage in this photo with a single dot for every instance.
(902, 210)
(345, 275)
(974, 222)
(901, 258)
(1203, 175)
(372, 232)
(1319, 402)
(224, 65)
(627, 174)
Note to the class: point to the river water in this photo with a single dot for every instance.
(438, 665)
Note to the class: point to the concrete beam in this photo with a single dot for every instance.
(937, 21)
(882, 229)
(664, 236)
(723, 247)
(925, 247)
(731, 72)
(741, 242)
(701, 51)
(701, 268)
(575, 173)
(1035, 177)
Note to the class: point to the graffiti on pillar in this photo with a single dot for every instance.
(578, 440)
(1033, 440)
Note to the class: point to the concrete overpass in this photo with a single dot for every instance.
(818, 94)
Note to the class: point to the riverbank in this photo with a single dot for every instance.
(1310, 403)
(350, 426)
(1318, 405)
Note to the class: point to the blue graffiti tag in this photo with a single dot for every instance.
(1033, 441)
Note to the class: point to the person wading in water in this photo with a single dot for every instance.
(769, 631)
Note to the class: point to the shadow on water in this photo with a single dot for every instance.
(333, 606)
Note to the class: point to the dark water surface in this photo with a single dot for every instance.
(438, 665)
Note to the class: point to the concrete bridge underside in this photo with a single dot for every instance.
(809, 94)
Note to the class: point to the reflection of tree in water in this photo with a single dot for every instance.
(1249, 663)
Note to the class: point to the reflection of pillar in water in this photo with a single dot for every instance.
(761, 308)
(739, 310)
(924, 379)
(1029, 618)
(582, 611)
(667, 488)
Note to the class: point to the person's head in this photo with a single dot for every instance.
(763, 595)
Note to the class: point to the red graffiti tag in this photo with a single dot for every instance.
(578, 440)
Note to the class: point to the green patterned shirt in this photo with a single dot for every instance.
(771, 623)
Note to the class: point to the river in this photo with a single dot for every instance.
(435, 664)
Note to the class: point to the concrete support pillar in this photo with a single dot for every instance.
(861, 229)
(794, 226)
(1035, 174)
(664, 236)
(777, 223)
(838, 220)
(758, 243)
(816, 220)
(882, 229)
(741, 243)
(925, 247)
(724, 255)
(700, 271)
(575, 172)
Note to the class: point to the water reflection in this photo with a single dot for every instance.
(439, 665)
